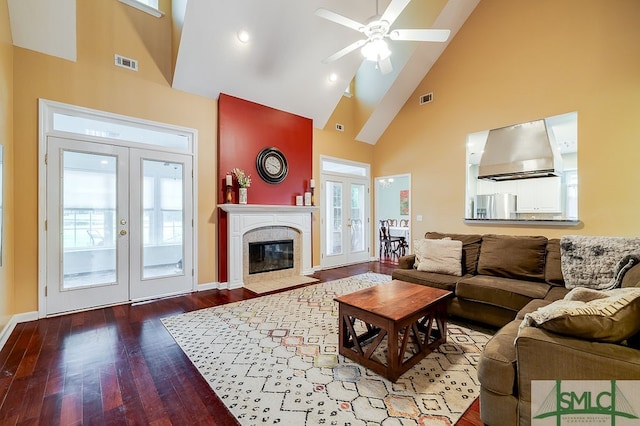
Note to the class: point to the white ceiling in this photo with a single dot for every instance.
(281, 66)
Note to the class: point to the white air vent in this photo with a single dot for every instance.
(425, 99)
(339, 127)
(123, 62)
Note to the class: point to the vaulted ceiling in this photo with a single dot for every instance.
(281, 66)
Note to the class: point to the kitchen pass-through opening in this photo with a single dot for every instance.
(266, 256)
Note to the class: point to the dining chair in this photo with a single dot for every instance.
(404, 222)
(389, 244)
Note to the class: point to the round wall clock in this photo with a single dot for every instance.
(272, 165)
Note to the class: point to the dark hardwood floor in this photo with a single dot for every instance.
(119, 365)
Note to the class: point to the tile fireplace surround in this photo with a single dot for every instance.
(242, 218)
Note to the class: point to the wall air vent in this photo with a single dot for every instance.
(123, 62)
(425, 99)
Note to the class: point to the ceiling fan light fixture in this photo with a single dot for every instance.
(376, 50)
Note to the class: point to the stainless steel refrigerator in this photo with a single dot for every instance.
(495, 206)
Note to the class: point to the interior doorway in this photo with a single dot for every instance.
(393, 207)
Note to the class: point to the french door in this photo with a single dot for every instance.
(119, 224)
(345, 220)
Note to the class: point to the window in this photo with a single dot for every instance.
(150, 3)
(148, 6)
(102, 128)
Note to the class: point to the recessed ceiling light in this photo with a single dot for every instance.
(333, 77)
(243, 36)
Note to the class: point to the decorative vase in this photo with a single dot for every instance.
(242, 195)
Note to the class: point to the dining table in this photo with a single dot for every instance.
(399, 231)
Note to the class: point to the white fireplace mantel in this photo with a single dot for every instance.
(242, 218)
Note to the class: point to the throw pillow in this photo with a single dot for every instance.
(470, 248)
(441, 256)
(608, 316)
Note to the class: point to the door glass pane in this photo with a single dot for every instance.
(162, 219)
(344, 168)
(334, 218)
(357, 217)
(109, 129)
(88, 220)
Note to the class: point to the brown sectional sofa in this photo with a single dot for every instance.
(505, 277)
(500, 275)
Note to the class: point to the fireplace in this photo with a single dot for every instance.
(267, 256)
(251, 223)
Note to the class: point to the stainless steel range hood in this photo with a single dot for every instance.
(521, 151)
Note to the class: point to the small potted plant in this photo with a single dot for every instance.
(244, 181)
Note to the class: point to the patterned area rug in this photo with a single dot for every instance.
(274, 359)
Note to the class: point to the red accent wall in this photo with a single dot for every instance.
(244, 128)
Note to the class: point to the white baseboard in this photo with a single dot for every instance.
(208, 286)
(13, 321)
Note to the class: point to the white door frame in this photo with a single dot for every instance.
(342, 173)
(48, 126)
(378, 214)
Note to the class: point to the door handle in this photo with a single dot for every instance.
(123, 232)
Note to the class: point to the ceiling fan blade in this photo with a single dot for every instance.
(339, 19)
(339, 54)
(420, 35)
(385, 65)
(394, 10)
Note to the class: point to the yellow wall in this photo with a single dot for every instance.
(105, 27)
(515, 61)
(331, 143)
(6, 140)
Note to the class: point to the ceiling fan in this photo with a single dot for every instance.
(374, 47)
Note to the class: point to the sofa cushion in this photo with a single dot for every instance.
(531, 307)
(552, 264)
(513, 256)
(505, 292)
(556, 293)
(442, 256)
(470, 248)
(431, 279)
(491, 315)
(607, 316)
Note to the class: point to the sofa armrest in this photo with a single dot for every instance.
(543, 355)
(406, 262)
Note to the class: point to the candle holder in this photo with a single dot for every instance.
(228, 194)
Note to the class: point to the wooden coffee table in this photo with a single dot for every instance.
(412, 317)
